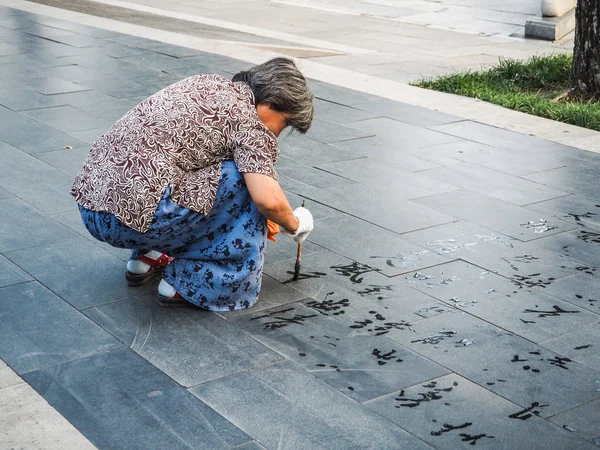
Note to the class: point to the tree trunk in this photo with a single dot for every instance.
(586, 54)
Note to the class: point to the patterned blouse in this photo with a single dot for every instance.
(178, 137)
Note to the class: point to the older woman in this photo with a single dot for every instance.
(189, 173)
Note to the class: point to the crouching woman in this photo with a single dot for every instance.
(186, 180)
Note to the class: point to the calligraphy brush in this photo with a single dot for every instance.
(298, 258)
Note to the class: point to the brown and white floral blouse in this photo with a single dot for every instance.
(178, 137)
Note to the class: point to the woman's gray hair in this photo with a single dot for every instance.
(282, 86)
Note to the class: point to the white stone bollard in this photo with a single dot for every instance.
(556, 8)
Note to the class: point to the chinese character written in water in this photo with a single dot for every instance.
(447, 427)
(436, 339)
(526, 413)
(589, 236)
(374, 289)
(529, 281)
(557, 312)
(428, 396)
(559, 362)
(354, 271)
(516, 358)
(384, 358)
(472, 440)
(577, 217)
(280, 322)
(305, 276)
(380, 326)
(329, 305)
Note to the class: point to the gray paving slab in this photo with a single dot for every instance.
(386, 251)
(34, 137)
(11, 274)
(23, 226)
(577, 419)
(525, 312)
(291, 173)
(67, 119)
(452, 412)
(52, 85)
(192, 346)
(581, 290)
(367, 203)
(394, 130)
(583, 244)
(5, 194)
(580, 345)
(508, 219)
(492, 183)
(250, 446)
(21, 99)
(519, 370)
(337, 113)
(16, 162)
(69, 161)
(284, 404)
(80, 272)
(337, 94)
(88, 136)
(523, 262)
(498, 137)
(375, 173)
(410, 114)
(577, 209)
(72, 220)
(331, 132)
(272, 295)
(306, 151)
(360, 366)
(507, 159)
(40, 330)
(119, 400)
(47, 191)
(357, 294)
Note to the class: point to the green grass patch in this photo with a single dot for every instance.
(528, 86)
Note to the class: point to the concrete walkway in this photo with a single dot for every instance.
(448, 296)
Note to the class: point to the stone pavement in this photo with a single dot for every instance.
(448, 297)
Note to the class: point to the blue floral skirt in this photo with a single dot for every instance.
(219, 257)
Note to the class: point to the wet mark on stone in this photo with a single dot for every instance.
(472, 439)
(589, 237)
(433, 393)
(278, 321)
(374, 289)
(402, 260)
(328, 305)
(458, 303)
(531, 281)
(436, 339)
(541, 226)
(557, 312)
(424, 312)
(582, 347)
(354, 271)
(527, 413)
(577, 217)
(384, 358)
(586, 269)
(447, 427)
(378, 324)
(305, 276)
(430, 279)
(526, 321)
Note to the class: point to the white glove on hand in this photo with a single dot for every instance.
(305, 225)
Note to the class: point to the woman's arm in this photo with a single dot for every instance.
(270, 200)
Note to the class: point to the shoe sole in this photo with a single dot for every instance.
(168, 302)
(139, 279)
